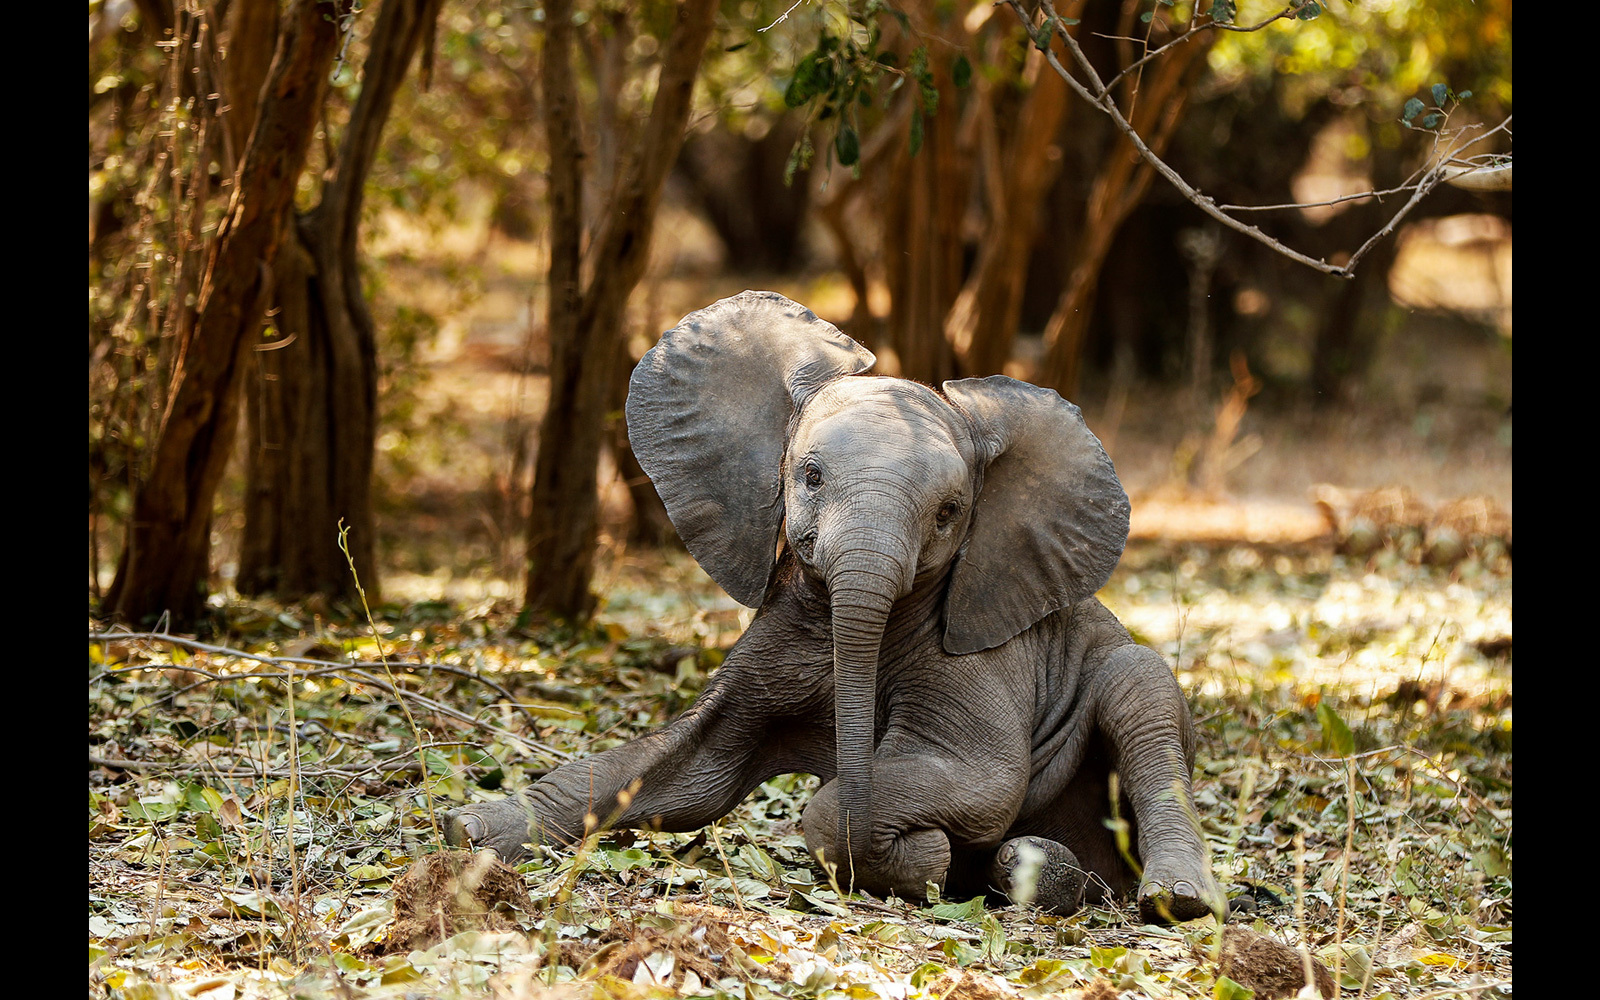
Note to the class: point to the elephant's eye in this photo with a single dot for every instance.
(948, 512)
(813, 476)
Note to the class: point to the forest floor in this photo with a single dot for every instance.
(247, 831)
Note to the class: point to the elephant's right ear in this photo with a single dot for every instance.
(708, 418)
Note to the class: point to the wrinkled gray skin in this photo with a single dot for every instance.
(927, 643)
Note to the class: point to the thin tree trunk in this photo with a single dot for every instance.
(165, 562)
(983, 322)
(651, 525)
(587, 343)
(922, 235)
(1122, 181)
(252, 34)
(313, 418)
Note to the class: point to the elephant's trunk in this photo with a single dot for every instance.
(864, 581)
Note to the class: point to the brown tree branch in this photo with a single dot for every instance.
(1097, 93)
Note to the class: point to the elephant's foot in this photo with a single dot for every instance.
(503, 826)
(1176, 891)
(1039, 871)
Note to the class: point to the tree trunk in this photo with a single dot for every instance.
(738, 182)
(313, 413)
(983, 323)
(928, 197)
(651, 525)
(1122, 180)
(586, 340)
(165, 562)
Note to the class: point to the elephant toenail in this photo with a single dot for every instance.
(471, 828)
(1184, 889)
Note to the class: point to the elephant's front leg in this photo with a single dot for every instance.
(920, 805)
(681, 777)
(1142, 713)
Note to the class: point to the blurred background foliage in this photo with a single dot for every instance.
(945, 205)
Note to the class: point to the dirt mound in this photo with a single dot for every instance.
(1271, 968)
(453, 891)
(684, 955)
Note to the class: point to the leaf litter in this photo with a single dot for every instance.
(1353, 781)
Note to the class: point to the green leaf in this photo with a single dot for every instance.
(437, 764)
(960, 952)
(1412, 109)
(804, 86)
(1310, 12)
(994, 939)
(916, 133)
(1147, 16)
(823, 905)
(799, 159)
(1492, 861)
(1223, 11)
(1441, 93)
(848, 145)
(1463, 95)
(1042, 35)
(1431, 121)
(971, 910)
(1227, 989)
(1336, 736)
(961, 71)
(1105, 958)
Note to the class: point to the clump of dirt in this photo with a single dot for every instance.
(1100, 989)
(1271, 968)
(665, 955)
(453, 891)
(959, 984)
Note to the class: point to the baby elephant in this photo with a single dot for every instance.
(928, 642)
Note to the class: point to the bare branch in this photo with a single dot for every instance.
(1109, 106)
(290, 672)
(1288, 11)
(1364, 195)
(1437, 169)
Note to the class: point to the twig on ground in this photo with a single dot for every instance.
(289, 672)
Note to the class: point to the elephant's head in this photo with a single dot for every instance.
(752, 417)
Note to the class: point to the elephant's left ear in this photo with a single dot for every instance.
(1050, 521)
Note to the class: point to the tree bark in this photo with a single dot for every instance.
(983, 322)
(252, 32)
(928, 197)
(165, 562)
(1122, 181)
(313, 405)
(586, 326)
